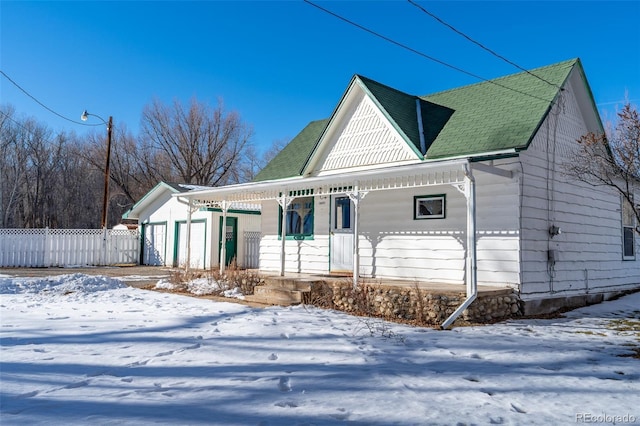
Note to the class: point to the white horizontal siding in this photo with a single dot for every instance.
(589, 249)
(498, 227)
(301, 256)
(395, 245)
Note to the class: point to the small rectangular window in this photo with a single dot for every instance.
(342, 213)
(429, 206)
(628, 230)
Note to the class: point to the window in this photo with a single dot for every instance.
(299, 218)
(342, 213)
(429, 207)
(628, 230)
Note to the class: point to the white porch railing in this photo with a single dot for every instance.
(68, 247)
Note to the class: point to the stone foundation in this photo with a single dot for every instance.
(415, 305)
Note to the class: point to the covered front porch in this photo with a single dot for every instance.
(352, 186)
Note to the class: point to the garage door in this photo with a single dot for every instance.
(155, 244)
(198, 243)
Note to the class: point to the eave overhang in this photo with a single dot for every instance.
(397, 177)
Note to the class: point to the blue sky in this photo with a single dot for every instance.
(281, 64)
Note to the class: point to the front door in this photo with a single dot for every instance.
(341, 252)
(230, 238)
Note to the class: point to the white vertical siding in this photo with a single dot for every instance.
(589, 249)
(168, 209)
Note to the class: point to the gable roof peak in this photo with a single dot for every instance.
(368, 82)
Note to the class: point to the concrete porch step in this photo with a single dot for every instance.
(276, 295)
(298, 284)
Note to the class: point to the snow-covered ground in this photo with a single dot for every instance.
(86, 350)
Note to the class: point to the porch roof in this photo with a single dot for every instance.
(449, 172)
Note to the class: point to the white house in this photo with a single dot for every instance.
(461, 186)
(167, 224)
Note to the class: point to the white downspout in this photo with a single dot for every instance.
(471, 261)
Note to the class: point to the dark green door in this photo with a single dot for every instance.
(231, 239)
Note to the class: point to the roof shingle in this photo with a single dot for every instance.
(478, 119)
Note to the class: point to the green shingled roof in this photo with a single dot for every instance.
(290, 161)
(472, 120)
(402, 110)
(491, 118)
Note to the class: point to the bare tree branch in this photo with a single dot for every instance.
(612, 159)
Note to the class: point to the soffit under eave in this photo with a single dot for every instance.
(584, 97)
(577, 81)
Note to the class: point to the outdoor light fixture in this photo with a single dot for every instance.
(554, 230)
(85, 115)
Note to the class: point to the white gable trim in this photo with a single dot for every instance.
(147, 199)
(359, 136)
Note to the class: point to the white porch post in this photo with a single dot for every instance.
(469, 191)
(283, 201)
(188, 236)
(223, 236)
(356, 196)
(472, 264)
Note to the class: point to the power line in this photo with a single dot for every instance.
(424, 55)
(43, 105)
(8, 117)
(452, 28)
(17, 123)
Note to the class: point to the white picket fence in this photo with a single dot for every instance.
(68, 247)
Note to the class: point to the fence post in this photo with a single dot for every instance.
(104, 246)
(46, 258)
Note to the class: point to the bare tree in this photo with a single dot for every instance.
(13, 165)
(253, 161)
(613, 158)
(57, 180)
(129, 180)
(198, 145)
(44, 179)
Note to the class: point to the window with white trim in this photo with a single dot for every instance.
(429, 207)
(628, 230)
(299, 220)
